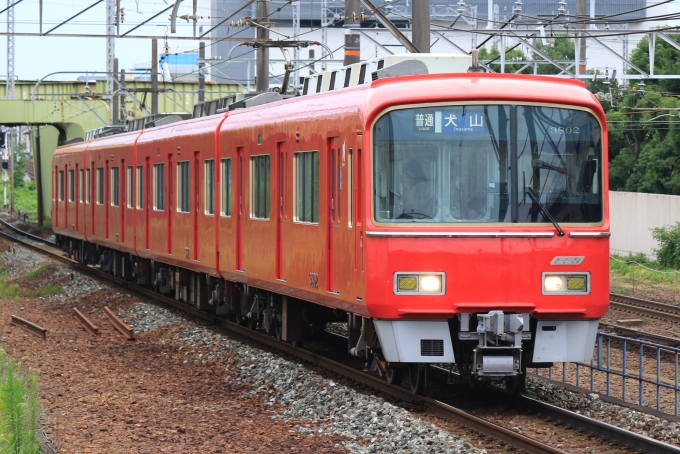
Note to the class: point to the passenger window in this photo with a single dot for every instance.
(307, 187)
(159, 187)
(115, 186)
(61, 185)
(183, 188)
(71, 186)
(259, 178)
(209, 186)
(100, 185)
(129, 196)
(140, 186)
(225, 202)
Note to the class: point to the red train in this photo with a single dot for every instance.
(446, 218)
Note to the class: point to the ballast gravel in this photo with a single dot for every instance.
(372, 424)
(591, 406)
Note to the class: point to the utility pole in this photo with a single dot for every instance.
(10, 143)
(296, 36)
(122, 113)
(9, 87)
(352, 37)
(421, 25)
(111, 19)
(581, 47)
(37, 171)
(154, 77)
(262, 54)
(114, 100)
(201, 75)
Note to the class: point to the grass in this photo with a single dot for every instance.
(36, 273)
(644, 278)
(48, 290)
(26, 197)
(19, 409)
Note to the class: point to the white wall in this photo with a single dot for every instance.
(634, 214)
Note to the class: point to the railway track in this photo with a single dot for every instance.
(653, 309)
(639, 334)
(625, 440)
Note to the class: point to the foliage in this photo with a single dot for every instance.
(48, 290)
(19, 171)
(668, 238)
(26, 197)
(493, 57)
(644, 134)
(19, 408)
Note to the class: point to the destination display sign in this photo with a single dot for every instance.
(459, 119)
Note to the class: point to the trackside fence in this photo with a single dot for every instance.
(633, 370)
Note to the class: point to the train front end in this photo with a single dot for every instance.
(488, 239)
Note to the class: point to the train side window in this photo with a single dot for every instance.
(159, 186)
(100, 185)
(87, 189)
(225, 202)
(209, 186)
(183, 187)
(259, 190)
(71, 185)
(81, 188)
(129, 196)
(140, 186)
(61, 185)
(115, 186)
(306, 187)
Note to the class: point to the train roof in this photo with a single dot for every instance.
(368, 100)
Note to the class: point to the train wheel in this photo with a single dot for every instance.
(516, 384)
(417, 377)
(394, 376)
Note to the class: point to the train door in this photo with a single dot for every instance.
(76, 196)
(197, 204)
(280, 197)
(358, 203)
(240, 212)
(147, 203)
(334, 179)
(64, 190)
(123, 189)
(107, 197)
(169, 184)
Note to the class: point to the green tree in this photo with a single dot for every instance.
(19, 165)
(492, 57)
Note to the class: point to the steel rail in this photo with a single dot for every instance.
(528, 444)
(87, 324)
(119, 324)
(29, 235)
(646, 307)
(29, 326)
(639, 334)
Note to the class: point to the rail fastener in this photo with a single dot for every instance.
(87, 324)
(117, 323)
(29, 326)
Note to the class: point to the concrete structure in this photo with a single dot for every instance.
(67, 110)
(634, 215)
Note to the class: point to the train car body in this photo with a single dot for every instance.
(449, 218)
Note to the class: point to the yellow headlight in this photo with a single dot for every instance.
(430, 283)
(576, 283)
(407, 283)
(553, 283)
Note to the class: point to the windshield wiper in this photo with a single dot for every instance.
(534, 197)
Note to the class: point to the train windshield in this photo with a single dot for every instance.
(487, 164)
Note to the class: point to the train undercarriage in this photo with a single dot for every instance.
(487, 347)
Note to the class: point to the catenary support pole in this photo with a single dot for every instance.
(262, 83)
(114, 101)
(201, 75)
(421, 25)
(154, 77)
(581, 14)
(37, 172)
(352, 37)
(10, 144)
